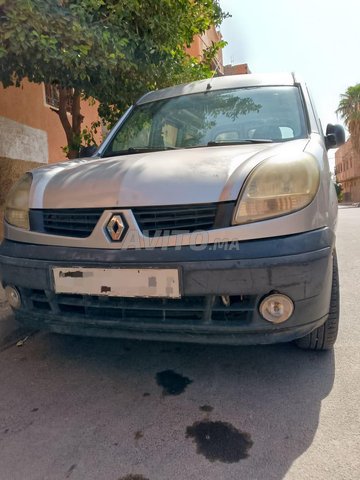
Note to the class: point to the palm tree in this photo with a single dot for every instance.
(349, 110)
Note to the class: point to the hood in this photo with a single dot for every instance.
(172, 177)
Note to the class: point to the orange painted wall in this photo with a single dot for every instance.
(347, 168)
(196, 48)
(347, 162)
(201, 42)
(27, 105)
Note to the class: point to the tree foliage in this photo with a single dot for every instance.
(349, 109)
(339, 189)
(110, 50)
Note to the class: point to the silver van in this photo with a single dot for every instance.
(207, 215)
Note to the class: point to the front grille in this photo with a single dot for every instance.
(191, 310)
(77, 223)
(152, 221)
(163, 221)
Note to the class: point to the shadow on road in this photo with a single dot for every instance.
(272, 393)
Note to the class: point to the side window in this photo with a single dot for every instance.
(314, 118)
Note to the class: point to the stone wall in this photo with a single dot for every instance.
(19, 141)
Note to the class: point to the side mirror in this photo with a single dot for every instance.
(87, 151)
(335, 136)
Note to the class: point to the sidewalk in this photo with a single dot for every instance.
(10, 330)
(349, 204)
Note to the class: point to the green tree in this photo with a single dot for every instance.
(109, 50)
(349, 109)
(338, 189)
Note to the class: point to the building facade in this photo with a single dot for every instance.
(30, 127)
(239, 69)
(347, 170)
(202, 42)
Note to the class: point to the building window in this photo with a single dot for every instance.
(52, 97)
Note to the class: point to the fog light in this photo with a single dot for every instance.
(276, 308)
(13, 296)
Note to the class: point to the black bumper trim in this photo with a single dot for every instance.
(205, 334)
(247, 249)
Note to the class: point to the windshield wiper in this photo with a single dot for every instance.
(149, 149)
(133, 150)
(241, 142)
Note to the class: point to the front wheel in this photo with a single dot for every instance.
(324, 337)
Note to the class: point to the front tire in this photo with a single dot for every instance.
(324, 337)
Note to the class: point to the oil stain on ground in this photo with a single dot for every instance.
(173, 383)
(206, 408)
(220, 441)
(138, 435)
(70, 471)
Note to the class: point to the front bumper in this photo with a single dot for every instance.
(299, 266)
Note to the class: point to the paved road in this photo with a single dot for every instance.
(91, 409)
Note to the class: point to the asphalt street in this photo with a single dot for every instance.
(97, 409)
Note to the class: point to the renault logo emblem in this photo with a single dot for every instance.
(116, 227)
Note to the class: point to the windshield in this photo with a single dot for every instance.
(211, 118)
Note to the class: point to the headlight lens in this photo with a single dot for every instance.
(278, 186)
(17, 203)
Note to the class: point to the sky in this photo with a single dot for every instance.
(317, 39)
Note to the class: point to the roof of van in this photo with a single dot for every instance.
(219, 83)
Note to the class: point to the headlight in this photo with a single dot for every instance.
(17, 203)
(278, 186)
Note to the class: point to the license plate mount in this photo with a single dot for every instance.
(118, 282)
